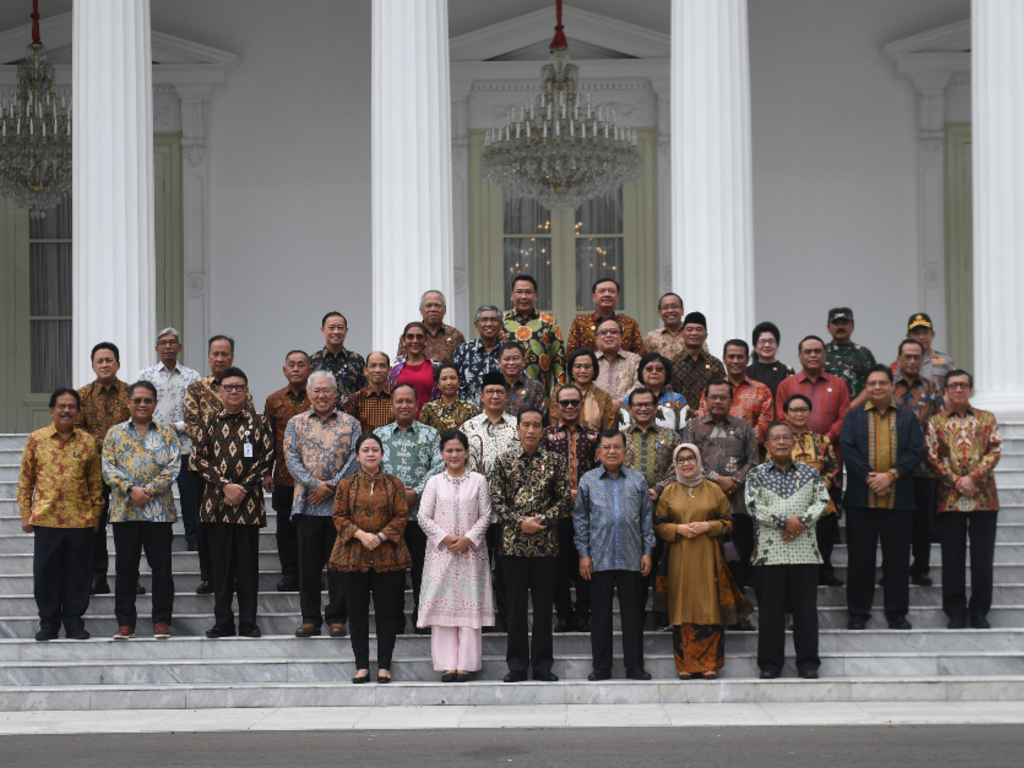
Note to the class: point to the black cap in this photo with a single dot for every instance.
(696, 317)
(494, 378)
(840, 313)
(920, 320)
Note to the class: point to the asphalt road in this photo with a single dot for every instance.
(684, 747)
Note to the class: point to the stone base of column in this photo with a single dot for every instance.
(1006, 404)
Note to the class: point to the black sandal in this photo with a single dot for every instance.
(382, 679)
(361, 678)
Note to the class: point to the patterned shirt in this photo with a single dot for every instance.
(372, 409)
(60, 483)
(488, 441)
(769, 374)
(539, 334)
(923, 399)
(525, 485)
(444, 417)
(102, 407)
(614, 519)
(413, 457)
(852, 362)
(650, 453)
(280, 407)
(968, 445)
(773, 496)
(474, 362)
(584, 329)
(886, 440)
(170, 397)
(666, 343)
(319, 450)
(347, 367)
(441, 344)
(577, 445)
(598, 410)
(934, 368)
(202, 399)
(151, 461)
(233, 448)
(751, 401)
(728, 449)
(816, 451)
(617, 375)
(526, 393)
(830, 401)
(690, 377)
(670, 413)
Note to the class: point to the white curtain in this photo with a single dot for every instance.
(50, 299)
(598, 257)
(530, 255)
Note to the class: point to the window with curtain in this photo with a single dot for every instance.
(599, 245)
(527, 245)
(50, 298)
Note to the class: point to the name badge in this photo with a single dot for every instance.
(247, 450)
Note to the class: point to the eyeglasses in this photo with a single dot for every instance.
(767, 343)
(582, 366)
(609, 332)
(799, 410)
(167, 343)
(569, 403)
(414, 336)
(142, 401)
(664, 307)
(642, 406)
(686, 460)
(317, 392)
(780, 439)
(958, 385)
(234, 387)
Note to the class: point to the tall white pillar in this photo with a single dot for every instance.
(114, 261)
(412, 162)
(712, 240)
(997, 85)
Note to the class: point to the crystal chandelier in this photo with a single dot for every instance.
(35, 133)
(555, 149)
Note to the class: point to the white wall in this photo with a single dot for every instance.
(834, 165)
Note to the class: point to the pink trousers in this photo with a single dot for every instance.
(456, 648)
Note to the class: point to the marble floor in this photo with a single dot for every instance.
(542, 716)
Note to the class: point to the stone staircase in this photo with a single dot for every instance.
(928, 663)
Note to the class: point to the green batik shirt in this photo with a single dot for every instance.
(524, 485)
(413, 456)
(773, 496)
(852, 362)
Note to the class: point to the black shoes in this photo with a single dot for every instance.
(769, 674)
(422, 630)
(99, 588)
(288, 584)
(922, 580)
(215, 633)
(899, 622)
(204, 588)
(139, 589)
(46, 634)
(564, 625)
(980, 622)
(599, 674)
(809, 674)
(830, 581)
(250, 631)
(545, 677)
(191, 546)
(463, 678)
(856, 622)
(956, 624)
(383, 679)
(637, 673)
(742, 626)
(514, 677)
(360, 679)
(448, 677)
(78, 633)
(582, 624)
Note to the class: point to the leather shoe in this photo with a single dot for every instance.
(465, 678)
(383, 679)
(205, 588)
(125, 632)
(448, 677)
(360, 679)
(545, 676)
(338, 630)
(830, 581)
(215, 633)
(309, 629)
(161, 631)
(599, 674)
(564, 625)
(46, 634)
(253, 631)
(78, 633)
(980, 622)
(856, 623)
(900, 622)
(742, 626)
(99, 588)
(956, 624)
(583, 624)
(514, 677)
(288, 584)
(191, 546)
(922, 580)
(809, 674)
(769, 674)
(139, 589)
(637, 673)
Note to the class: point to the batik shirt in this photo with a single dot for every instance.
(443, 417)
(934, 368)
(852, 362)
(727, 449)
(773, 496)
(102, 407)
(60, 483)
(347, 367)
(219, 455)
(539, 334)
(666, 343)
(372, 409)
(965, 445)
(170, 397)
(670, 413)
(526, 485)
(752, 402)
(577, 445)
(202, 399)
(584, 329)
(923, 399)
(816, 451)
(613, 519)
(650, 453)
(413, 457)
(280, 408)
(440, 345)
(526, 393)
(474, 362)
(151, 461)
(488, 441)
(617, 375)
(690, 377)
(319, 450)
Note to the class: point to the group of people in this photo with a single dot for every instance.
(514, 471)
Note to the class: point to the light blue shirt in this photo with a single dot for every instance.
(614, 519)
(170, 396)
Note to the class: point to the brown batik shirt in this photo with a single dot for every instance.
(233, 448)
(280, 407)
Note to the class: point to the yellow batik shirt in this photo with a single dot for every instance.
(59, 485)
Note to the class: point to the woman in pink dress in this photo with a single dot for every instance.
(455, 599)
(415, 367)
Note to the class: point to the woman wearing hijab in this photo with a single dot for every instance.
(702, 598)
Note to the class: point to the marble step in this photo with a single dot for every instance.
(13, 543)
(489, 693)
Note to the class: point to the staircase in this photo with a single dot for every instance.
(928, 663)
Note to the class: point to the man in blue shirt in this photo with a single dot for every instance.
(614, 522)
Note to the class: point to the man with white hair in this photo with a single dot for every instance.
(476, 358)
(318, 449)
(442, 340)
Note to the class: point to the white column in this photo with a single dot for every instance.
(663, 89)
(712, 241)
(997, 83)
(114, 249)
(412, 162)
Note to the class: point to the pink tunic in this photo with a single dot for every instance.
(456, 589)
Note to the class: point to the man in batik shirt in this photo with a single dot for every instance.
(845, 358)
(538, 332)
(935, 365)
(694, 366)
(475, 359)
(347, 366)
(751, 400)
(523, 392)
(617, 368)
(371, 405)
(442, 340)
(583, 332)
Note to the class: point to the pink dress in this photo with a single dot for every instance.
(456, 588)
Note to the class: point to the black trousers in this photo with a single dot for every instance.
(602, 588)
(287, 538)
(780, 588)
(388, 589)
(864, 528)
(954, 528)
(189, 502)
(743, 538)
(921, 529)
(825, 531)
(62, 576)
(130, 540)
(316, 537)
(202, 534)
(569, 575)
(100, 558)
(235, 557)
(416, 541)
(493, 539)
(526, 577)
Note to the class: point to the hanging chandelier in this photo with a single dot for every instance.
(35, 133)
(557, 150)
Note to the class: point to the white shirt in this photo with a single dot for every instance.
(170, 395)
